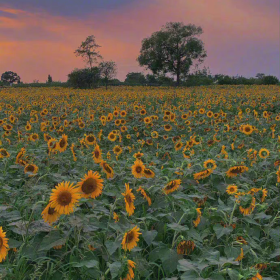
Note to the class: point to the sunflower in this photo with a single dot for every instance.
(129, 198)
(4, 153)
(90, 139)
(138, 168)
(172, 186)
(63, 143)
(247, 129)
(248, 210)
(178, 146)
(278, 175)
(52, 144)
(241, 255)
(73, 152)
(167, 127)
(107, 169)
(210, 163)
(240, 239)
(20, 156)
(203, 174)
(97, 154)
(91, 185)
(263, 153)
(138, 155)
(232, 189)
(50, 215)
(185, 247)
(235, 170)
(148, 173)
(197, 220)
(64, 198)
(3, 245)
(117, 150)
(140, 189)
(131, 238)
(32, 169)
(264, 195)
(34, 137)
(116, 217)
(256, 277)
(128, 273)
(112, 137)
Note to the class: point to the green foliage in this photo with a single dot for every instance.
(49, 79)
(10, 77)
(84, 78)
(135, 78)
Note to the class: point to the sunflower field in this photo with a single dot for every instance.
(140, 183)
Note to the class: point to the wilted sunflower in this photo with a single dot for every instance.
(96, 154)
(4, 153)
(128, 271)
(148, 173)
(232, 189)
(129, 198)
(131, 238)
(202, 174)
(210, 163)
(248, 210)
(172, 186)
(91, 185)
(3, 245)
(62, 144)
(185, 247)
(264, 153)
(138, 168)
(235, 170)
(64, 198)
(140, 189)
(90, 139)
(107, 169)
(197, 220)
(32, 169)
(50, 215)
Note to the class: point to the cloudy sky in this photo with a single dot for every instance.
(38, 37)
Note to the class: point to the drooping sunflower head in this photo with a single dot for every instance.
(49, 214)
(172, 186)
(91, 185)
(148, 173)
(127, 270)
(185, 247)
(3, 245)
(210, 163)
(131, 238)
(4, 153)
(31, 169)
(129, 198)
(96, 154)
(63, 142)
(64, 198)
(107, 169)
(235, 170)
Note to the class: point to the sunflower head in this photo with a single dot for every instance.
(131, 238)
(49, 214)
(138, 168)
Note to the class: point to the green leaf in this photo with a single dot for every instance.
(192, 233)
(87, 264)
(115, 269)
(112, 246)
(149, 236)
(220, 230)
(276, 253)
(54, 238)
(190, 275)
(177, 227)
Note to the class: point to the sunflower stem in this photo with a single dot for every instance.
(231, 215)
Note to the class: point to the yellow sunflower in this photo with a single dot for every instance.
(140, 189)
(3, 245)
(90, 139)
(148, 173)
(129, 198)
(117, 150)
(197, 220)
(138, 168)
(202, 174)
(112, 137)
(32, 169)
(128, 271)
(247, 129)
(116, 217)
(97, 154)
(172, 186)
(131, 238)
(4, 153)
(232, 189)
(91, 185)
(50, 215)
(64, 198)
(210, 163)
(235, 170)
(264, 153)
(241, 255)
(185, 247)
(63, 143)
(107, 169)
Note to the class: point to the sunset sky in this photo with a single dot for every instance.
(39, 37)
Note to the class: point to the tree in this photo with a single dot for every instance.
(173, 49)
(84, 78)
(135, 78)
(270, 80)
(108, 70)
(260, 76)
(88, 51)
(49, 79)
(10, 77)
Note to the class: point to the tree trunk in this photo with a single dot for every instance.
(178, 79)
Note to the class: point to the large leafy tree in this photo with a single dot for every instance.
(135, 78)
(84, 78)
(10, 77)
(173, 50)
(108, 70)
(88, 51)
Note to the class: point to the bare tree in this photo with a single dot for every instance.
(108, 70)
(88, 51)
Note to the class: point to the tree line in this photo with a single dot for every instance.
(169, 54)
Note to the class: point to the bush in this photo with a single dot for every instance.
(270, 80)
(84, 78)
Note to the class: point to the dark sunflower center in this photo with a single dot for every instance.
(147, 171)
(89, 186)
(128, 199)
(62, 143)
(236, 170)
(247, 129)
(138, 169)
(107, 168)
(170, 186)
(51, 211)
(64, 198)
(129, 237)
(1, 242)
(117, 150)
(90, 139)
(96, 153)
(30, 168)
(3, 153)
